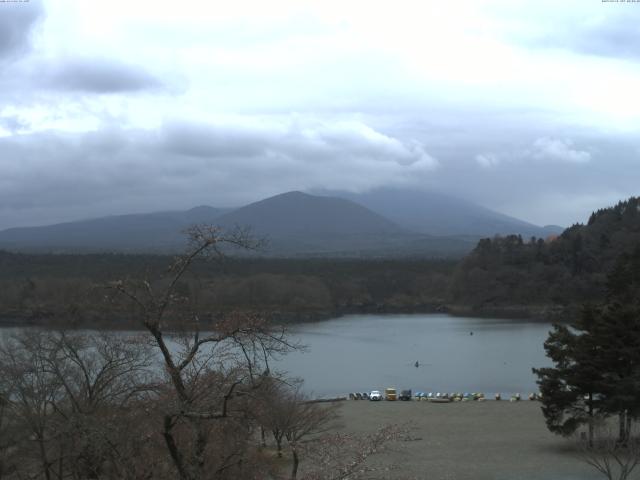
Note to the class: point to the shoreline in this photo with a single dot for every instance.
(538, 313)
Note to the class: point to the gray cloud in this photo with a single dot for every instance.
(617, 36)
(299, 141)
(531, 131)
(97, 75)
(549, 184)
(561, 150)
(611, 33)
(543, 150)
(12, 123)
(50, 177)
(201, 140)
(16, 22)
(47, 177)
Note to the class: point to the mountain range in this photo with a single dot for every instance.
(379, 223)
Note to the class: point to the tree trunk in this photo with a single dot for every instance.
(43, 458)
(590, 420)
(176, 456)
(622, 427)
(296, 462)
(199, 450)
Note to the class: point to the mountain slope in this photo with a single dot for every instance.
(297, 223)
(294, 224)
(438, 214)
(159, 231)
(300, 214)
(380, 223)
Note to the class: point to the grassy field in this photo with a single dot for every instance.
(469, 440)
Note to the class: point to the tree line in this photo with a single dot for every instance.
(68, 289)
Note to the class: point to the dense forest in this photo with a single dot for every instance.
(562, 271)
(502, 275)
(74, 287)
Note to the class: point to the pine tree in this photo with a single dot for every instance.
(597, 359)
(571, 391)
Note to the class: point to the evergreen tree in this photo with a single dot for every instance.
(597, 359)
(571, 391)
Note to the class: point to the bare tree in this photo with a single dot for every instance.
(30, 393)
(285, 411)
(306, 420)
(614, 459)
(67, 395)
(212, 375)
(270, 410)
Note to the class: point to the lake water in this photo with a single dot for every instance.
(366, 352)
(360, 353)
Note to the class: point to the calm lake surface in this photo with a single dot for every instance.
(366, 352)
(360, 353)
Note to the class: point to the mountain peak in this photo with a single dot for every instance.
(292, 194)
(298, 213)
(201, 208)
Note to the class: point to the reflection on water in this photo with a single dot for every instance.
(365, 352)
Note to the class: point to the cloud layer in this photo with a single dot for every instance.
(96, 75)
(186, 163)
(16, 23)
(113, 107)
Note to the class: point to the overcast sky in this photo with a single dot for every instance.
(531, 108)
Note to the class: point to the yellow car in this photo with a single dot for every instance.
(390, 394)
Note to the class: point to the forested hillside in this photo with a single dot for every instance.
(72, 288)
(565, 270)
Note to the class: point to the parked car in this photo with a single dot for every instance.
(375, 395)
(390, 394)
(405, 395)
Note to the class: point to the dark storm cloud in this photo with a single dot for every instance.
(16, 22)
(97, 75)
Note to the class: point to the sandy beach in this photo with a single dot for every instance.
(468, 440)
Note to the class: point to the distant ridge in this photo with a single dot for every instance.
(158, 231)
(381, 223)
(435, 213)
